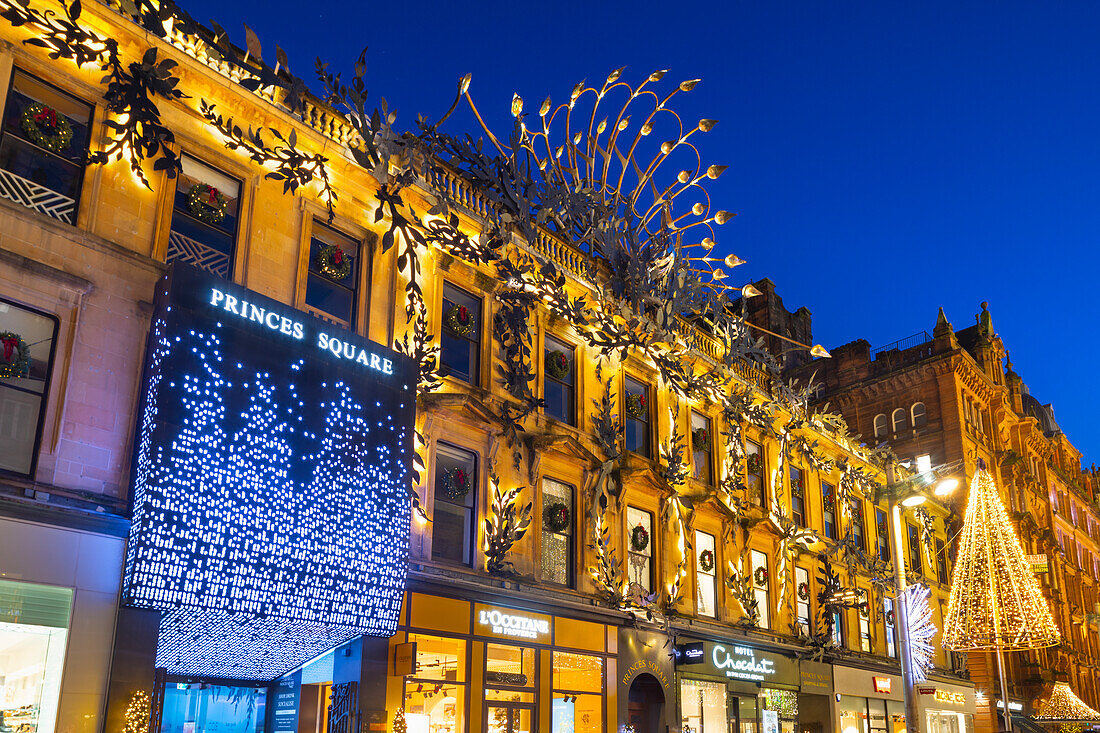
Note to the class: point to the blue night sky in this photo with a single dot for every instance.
(886, 158)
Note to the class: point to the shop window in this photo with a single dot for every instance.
(204, 218)
(637, 409)
(207, 707)
(43, 147)
(857, 524)
(460, 335)
(898, 420)
(828, 504)
(639, 529)
(888, 622)
(918, 414)
(560, 379)
(864, 613)
(802, 598)
(941, 561)
(332, 282)
(34, 629)
(702, 443)
(761, 583)
(915, 564)
(853, 714)
(510, 676)
(798, 496)
(453, 528)
(784, 703)
(882, 535)
(435, 694)
(578, 693)
(754, 470)
(27, 339)
(706, 568)
(838, 628)
(557, 532)
(702, 706)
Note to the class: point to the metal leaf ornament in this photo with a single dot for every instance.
(791, 536)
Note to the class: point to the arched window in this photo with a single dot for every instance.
(880, 426)
(898, 420)
(918, 415)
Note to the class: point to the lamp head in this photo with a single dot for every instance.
(914, 500)
(819, 352)
(946, 486)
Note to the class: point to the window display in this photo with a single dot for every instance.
(435, 693)
(34, 626)
(703, 706)
(205, 708)
(578, 694)
(509, 688)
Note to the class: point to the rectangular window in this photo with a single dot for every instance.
(941, 561)
(43, 147)
(557, 532)
(864, 612)
(754, 469)
(435, 694)
(560, 379)
(888, 621)
(761, 582)
(33, 635)
(702, 707)
(26, 363)
(639, 540)
(706, 568)
(838, 628)
(578, 701)
(798, 496)
(915, 564)
(460, 338)
(802, 598)
(332, 282)
(857, 524)
(453, 528)
(702, 441)
(204, 218)
(828, 502)
(636, 406)
(883, 536)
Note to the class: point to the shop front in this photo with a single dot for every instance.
(734, 686)
(868, 701)
(945, 707)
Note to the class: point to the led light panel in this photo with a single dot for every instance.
(270, 510)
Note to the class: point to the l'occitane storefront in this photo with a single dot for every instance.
(488, 668)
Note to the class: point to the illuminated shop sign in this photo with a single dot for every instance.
(882, 684)
(270, 477)
(742, 663)
(691, 653)
(953, 698)
(512, 624)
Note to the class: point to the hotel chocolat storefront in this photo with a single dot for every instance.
(740, 687)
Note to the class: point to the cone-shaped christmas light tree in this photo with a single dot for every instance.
(1064, 705)
(996, 602)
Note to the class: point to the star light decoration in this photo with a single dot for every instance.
(1063, 704)
(996, 602)
(922, 629)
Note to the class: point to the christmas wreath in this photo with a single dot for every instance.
(700, 440)
(206, 203)
(753, 463)
(636, 405)
(864, 609)
(890, 617)
(706, 560)
(760, 575)
(456, 484)
(15, 356)
(557, 364)
(333, 262)
(556, 516)
(796, 486)
(639, 539)
(803, 591)
(459, 320)
(46, 128)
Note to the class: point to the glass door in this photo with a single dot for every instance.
(509, 717)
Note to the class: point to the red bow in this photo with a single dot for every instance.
(11, 343)
(460, 476)
(338, 256)
(462, 312)
(47, 114)
(213, 196)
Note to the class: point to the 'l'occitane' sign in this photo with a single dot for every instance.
(510, 623)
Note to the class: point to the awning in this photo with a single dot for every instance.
(1064, 705)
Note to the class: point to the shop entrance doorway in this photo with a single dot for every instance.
(510, 717)
(646, 704)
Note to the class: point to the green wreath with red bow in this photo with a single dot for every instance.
(206, 203)
(753, 463)
(706, 560)
(15, 356)
(333, 262)
(556, 516)
(636, 405)
(459, 320)
(700, 440)
(761, 576)
(456, 484)
(46, 128)
(803, 591)
(639, 539)
(557, 365)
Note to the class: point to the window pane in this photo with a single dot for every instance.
(802, 596)
(577, 713)
(761, 581)
(754, 466)
(828, 501)
(557, 531)
(559, 368)
(439, 658)
(509, 666)
(455, 491)
(204, 221)
(460, 336)
(706, 564)
(636, 410)
(639, 538)
(438, 708)
(578, 672)
(333, 277)
(702, 442)
(703, 706)
(798, 497)
(25, 365)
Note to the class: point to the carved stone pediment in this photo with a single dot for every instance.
(459, 403)
(566, 445)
